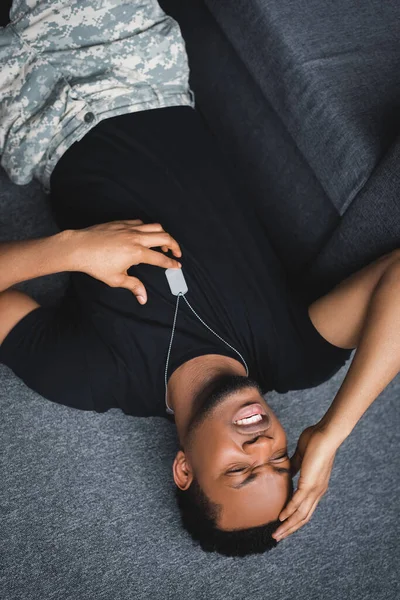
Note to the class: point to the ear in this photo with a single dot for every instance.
(181, 471)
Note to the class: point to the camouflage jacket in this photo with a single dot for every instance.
(67, 64)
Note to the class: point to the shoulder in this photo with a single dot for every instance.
(14, 306)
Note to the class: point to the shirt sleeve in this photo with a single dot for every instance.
(60, 356)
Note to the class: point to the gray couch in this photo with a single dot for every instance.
(304, 98)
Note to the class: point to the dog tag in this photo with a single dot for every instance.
(176, 281)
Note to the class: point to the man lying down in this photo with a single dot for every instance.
(96, 105)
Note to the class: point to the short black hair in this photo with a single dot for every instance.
(199, 516)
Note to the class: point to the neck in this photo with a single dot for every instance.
(186, 381)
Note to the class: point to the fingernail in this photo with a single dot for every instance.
(141, 299)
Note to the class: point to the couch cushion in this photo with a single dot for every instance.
(330, 70)
(268, 166)
(370, 228)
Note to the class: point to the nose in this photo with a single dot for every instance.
(259, 446)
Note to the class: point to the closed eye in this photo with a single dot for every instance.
(281, 458)
(253, 477)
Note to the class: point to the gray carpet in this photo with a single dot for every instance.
(87, 505)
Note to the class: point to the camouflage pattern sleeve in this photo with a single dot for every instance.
(66, 65)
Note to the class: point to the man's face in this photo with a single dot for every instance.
(240, 464)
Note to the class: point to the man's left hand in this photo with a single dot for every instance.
(314, 456)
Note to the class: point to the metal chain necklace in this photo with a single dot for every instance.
(169, 409)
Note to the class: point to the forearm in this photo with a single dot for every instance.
(376, 361)
(23, 260)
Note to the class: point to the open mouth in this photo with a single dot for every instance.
(253, 413)
(249, 420)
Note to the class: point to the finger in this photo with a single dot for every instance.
(155, 228)
(281, 536)
(150, 227)
(295, 462)
(293, 505)
(136, 287)
(132, 222)
(297, 517)
(151, 257)
(155, 239)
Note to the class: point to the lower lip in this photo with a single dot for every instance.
(248, 411)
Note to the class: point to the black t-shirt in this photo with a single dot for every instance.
(163, 166)
(5, 8)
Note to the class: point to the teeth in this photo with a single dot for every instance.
(249, 420)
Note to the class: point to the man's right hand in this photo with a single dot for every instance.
(107, 251)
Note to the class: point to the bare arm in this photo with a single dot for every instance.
(20, 261)
(375, 364)
(103, 251)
